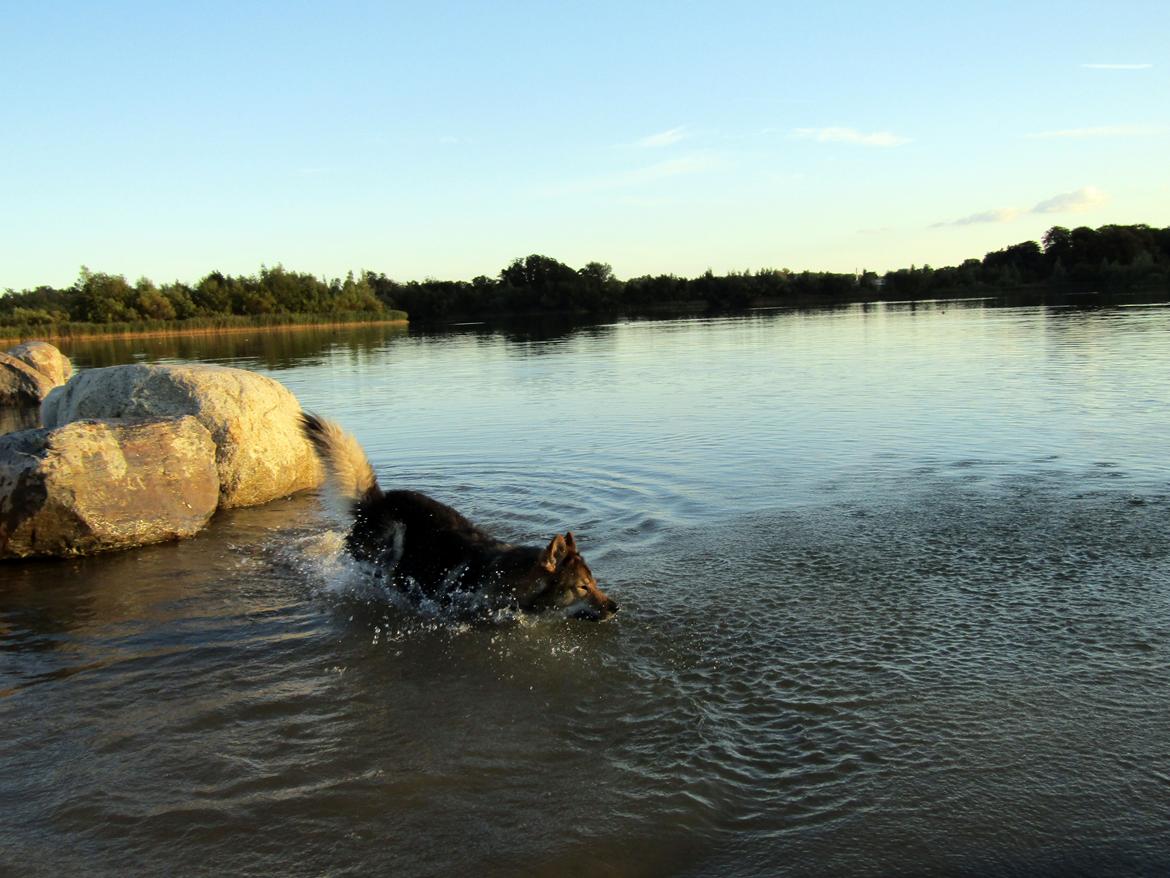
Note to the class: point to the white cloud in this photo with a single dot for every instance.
(1102, 131)
(1085, 198)
(662, 138)
(999, 215)
(1118, 66)
(849, 135)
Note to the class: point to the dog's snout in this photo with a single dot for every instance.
(595, 610)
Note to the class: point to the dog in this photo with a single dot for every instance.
(413, 539)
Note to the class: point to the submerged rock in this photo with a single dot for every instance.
(93, 486)
(253, 420)
(46, 359)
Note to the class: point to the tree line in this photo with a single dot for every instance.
(1108, 258)
(98, 298)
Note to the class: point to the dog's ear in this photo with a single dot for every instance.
(570, 543)
(554, 553)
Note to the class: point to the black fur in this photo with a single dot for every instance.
(439, 549)
(420, 543)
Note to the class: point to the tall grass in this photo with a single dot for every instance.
(211, 325)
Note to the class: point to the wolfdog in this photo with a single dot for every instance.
(414, 540)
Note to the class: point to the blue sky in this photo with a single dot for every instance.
(444, 139)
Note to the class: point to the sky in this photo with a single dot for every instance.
(445, 139)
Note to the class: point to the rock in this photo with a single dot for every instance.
(45, 358)
(29, 371)
(20, 383)
(253, 420)
(93, 486)
(19, 417)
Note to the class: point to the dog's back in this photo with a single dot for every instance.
(416, 537)
(406, 533)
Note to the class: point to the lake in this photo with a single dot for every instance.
(895, 588)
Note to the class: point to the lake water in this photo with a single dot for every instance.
(895, 588)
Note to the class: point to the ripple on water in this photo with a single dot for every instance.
(939, 646)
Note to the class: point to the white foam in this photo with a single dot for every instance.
(330, 571)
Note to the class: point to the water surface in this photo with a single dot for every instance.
(896, 601)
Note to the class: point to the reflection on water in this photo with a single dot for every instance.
(895, 601)
(280, 348)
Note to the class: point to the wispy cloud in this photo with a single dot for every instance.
(1117, 66)
(849, 135)
(662, 138)
(1101, 131)
(688, 164)
(999, 215)
(1085, 198)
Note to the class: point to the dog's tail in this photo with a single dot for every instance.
(349, 475)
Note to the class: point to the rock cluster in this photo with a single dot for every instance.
(259, 449)
(135, 454)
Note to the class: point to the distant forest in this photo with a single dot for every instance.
(1108, 259)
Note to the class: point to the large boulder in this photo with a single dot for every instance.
(93, 486)
(45, 358)
(20, 383)
(253, 420)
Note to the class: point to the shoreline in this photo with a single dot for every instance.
(192, 330)
(685, 307)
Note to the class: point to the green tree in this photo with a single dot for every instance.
(213, 294)
(104, 298)
(150, 303)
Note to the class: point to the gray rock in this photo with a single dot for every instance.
(20, 383)
(94, 486)
(253, 420)
(45, 358)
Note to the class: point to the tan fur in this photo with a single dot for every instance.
(554, 553)
(349, 471)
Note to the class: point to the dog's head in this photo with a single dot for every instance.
(568, 580)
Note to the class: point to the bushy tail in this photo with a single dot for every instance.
(349, 474)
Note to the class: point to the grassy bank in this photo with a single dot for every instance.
(14, 334)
